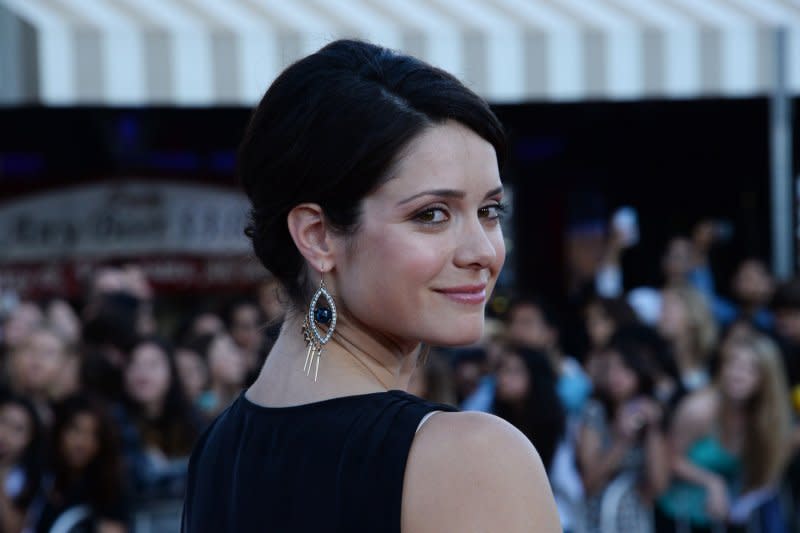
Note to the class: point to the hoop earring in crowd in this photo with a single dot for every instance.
(318, 315)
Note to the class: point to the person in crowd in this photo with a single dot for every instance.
(63, 319)
(493, 343)
(125, 285)
(786, 310)
(603, 317)
(728, 440)
(621, 442)
(753, 287)
(433, 380)
(20, 323)
(43, 368)
(668, 388)
(686, 322)
(159, 427)
(532, 325)
(245, 324)
(192, 367)
(22, 444)
(108, 336)
(84, 490)
(469, 368)
(227, 373)
(785, 307)
(526, 383)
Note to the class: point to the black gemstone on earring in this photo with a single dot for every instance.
(323, 315)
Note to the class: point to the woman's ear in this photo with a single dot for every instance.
(310, 234)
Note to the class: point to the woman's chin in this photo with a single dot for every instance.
(454, 339)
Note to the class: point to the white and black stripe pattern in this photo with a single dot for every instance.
(211, 52)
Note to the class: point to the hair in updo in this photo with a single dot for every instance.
(328, 131)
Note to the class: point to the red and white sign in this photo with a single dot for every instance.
(128, 218)
(184, 237)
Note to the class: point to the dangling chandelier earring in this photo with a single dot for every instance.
(318, 315)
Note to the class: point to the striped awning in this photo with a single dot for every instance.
(226, 52)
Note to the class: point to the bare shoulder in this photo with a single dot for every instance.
(698, 407)
(471, 471)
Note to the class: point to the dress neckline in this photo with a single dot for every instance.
(250, 404)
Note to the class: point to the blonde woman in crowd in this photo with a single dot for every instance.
(729, 441)
(687, 323)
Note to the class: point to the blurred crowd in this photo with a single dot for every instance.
(676, 413)
(99, 410)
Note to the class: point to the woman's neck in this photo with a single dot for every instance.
(354, 361)
(153, 409)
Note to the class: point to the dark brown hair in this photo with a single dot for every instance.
(328, 131)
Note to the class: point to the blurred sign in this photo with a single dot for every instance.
(123, 219)
(68, 278)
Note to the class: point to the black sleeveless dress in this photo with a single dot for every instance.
(330, 466)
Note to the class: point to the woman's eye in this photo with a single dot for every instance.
(492, 212)
(434, 215)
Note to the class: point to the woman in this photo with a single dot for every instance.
(373, 179)
(686, 322)
(43, 369)
(602, 318)
(21, 454)
(621, 443)
(192, 367)
(526, 382)
(227, 371)
(85, 484)
(158, 425)
(728, 439)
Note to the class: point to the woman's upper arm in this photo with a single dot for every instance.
(691, 420)
(473, 472)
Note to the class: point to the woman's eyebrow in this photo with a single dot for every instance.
(494, 191)
(446, 193)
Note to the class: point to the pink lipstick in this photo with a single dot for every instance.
(466, 294)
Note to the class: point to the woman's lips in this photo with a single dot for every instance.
(467, 294)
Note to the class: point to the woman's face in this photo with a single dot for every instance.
(148, 375)
(226, 362)
(40, 361)
(245, 328)
(512, 378)
(79, 442)
(674, 319)
(599, 325)
(740, 375)
(207, 324)
(192, 372)
(621, 381)
(16, 431)
(528, 327)
(429, 247)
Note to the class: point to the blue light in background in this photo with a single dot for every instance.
(21, 164)
(223, 161)
(179, 161)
